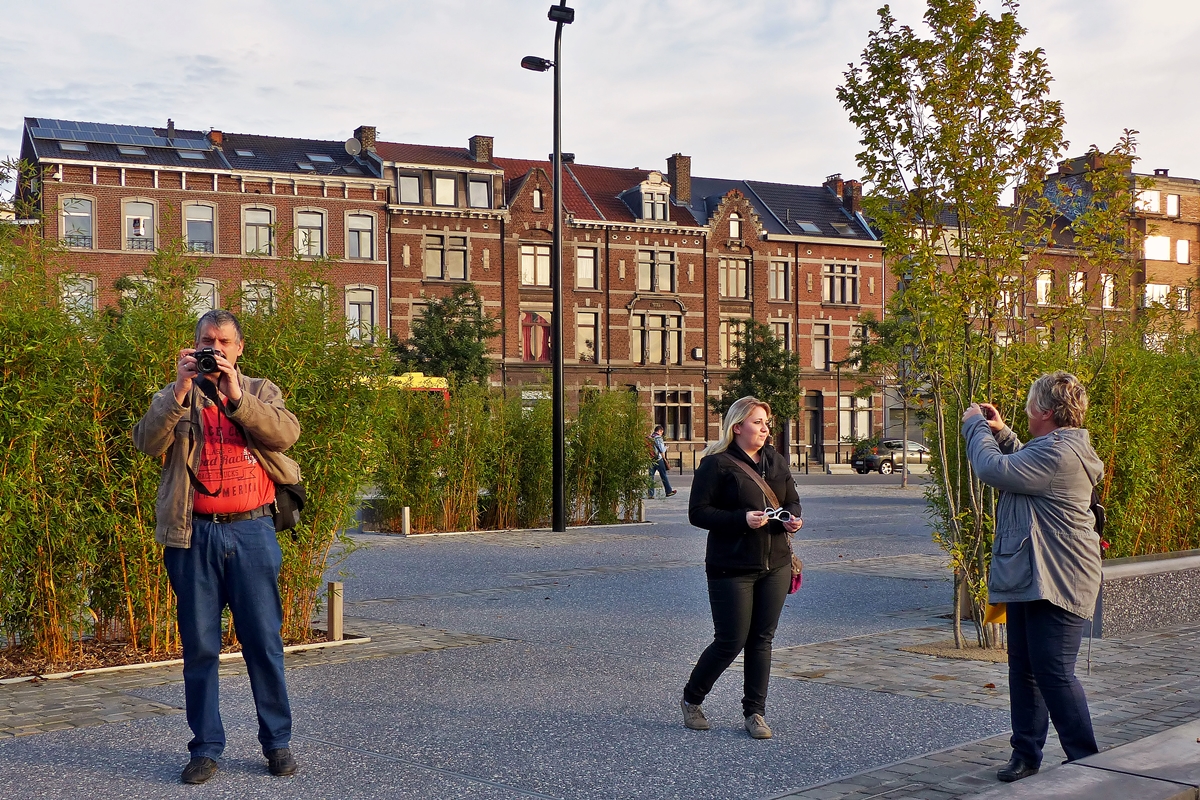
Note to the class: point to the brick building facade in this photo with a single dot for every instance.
(659, 266)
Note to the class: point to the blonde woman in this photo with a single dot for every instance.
(748, 561)
(1045, 560)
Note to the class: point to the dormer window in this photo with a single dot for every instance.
(735, 226)
(654, 192)
(538, 204)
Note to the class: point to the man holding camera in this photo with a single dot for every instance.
(221, 436)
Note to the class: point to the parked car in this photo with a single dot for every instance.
(888, 455)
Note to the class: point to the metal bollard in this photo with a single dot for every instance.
(641, 511)
(333, 607)
(405, 521)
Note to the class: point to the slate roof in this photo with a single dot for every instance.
(430, 155)
(782, 207)
(271, 153)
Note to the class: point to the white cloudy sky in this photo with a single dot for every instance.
(746, 87)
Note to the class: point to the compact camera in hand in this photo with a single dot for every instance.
(206, 360)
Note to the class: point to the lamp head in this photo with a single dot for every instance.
(561, 14)
(536, 63)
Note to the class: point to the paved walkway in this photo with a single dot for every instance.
(531, 664)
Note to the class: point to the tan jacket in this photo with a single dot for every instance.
(175, 430)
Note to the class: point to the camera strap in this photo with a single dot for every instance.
(210, 391)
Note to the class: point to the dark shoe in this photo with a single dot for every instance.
(280, 762)
(1015, 769)
(672, 493)
(198, 770)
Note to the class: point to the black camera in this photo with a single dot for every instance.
(206, 360)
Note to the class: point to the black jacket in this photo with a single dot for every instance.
(722, 493)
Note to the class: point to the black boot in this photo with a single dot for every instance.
(1015, 769)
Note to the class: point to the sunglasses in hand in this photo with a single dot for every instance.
(779, 514)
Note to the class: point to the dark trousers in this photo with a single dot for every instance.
(660, 467)
(745, 611)
(1043, 644)
(235, 565)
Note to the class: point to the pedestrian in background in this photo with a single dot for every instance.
(658, 449)
(748, 560)
(1045, 560)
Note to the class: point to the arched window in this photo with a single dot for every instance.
(735, 226)
(201, 232)
(77, 222)
(257, 239)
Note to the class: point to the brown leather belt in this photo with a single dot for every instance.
(237, 516)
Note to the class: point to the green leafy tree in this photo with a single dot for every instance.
(949, 124)
(450, 340)
(765, 370)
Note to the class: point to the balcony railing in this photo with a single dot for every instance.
(200, 247)
(77, 240)
(139, 243)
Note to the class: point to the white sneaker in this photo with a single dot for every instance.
(757, 727)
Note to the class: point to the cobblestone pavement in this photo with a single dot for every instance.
(1139, 685)
(535, 664)
(49, 705)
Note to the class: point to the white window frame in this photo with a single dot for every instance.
(1147, 201)
(1078, 286)
(580, 318)
(355, 329)
(735, 226)
(371, 238)
(187, 239)
(400, 183)
(822, 347)
(1182, 252)
(587, 278)
(204, 290)
(300, 237)
(656, 273)
(472, 184)
(83, 300)
(1157, 248)
(151, 225)
(270, 251)
(1172, 205)
(1156, 294)
(779, 280)
(442, 184)
(1043, 286)
(533, 258)
(1108, 291)
(537, 199)
(63, 217)
(734, 284)
(253, 294)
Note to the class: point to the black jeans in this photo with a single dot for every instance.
(745, 611)
(1043, 644)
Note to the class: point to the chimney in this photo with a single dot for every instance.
(852, 197)
(216, 137)
(481, 148)
(834, 183)
(366, 137)
(1162, 173)
(170, 129)
(679, 175)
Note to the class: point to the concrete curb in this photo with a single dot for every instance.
(174, 662)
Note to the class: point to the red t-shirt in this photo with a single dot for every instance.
(244, 484)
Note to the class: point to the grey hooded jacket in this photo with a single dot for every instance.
(1046, 547)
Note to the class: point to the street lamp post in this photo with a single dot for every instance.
(837, 452)
(560, 15)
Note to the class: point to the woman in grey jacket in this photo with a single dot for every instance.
(1045, 560)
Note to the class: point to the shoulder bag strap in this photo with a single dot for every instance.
(758, 479)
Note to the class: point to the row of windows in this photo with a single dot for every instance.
(310, 229)
(443, 191)
(80, 299)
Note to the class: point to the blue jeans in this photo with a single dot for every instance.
(235, 565)
(745, 611)
(660, 467)
(1043, 644)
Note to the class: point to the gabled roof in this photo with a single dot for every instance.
(783, 208)
(430, 155)
(591, 192)
(105, 142)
